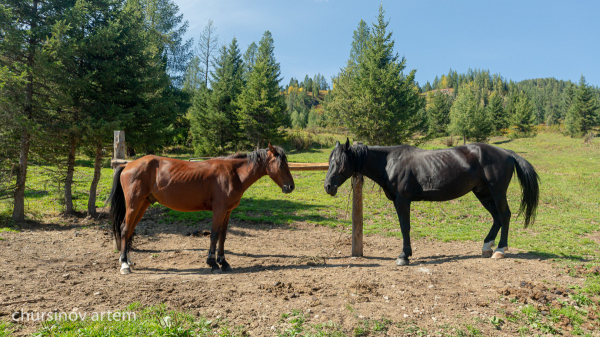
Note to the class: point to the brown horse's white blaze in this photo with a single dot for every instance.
(215, 185)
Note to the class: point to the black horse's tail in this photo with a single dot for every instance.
(530, 189)
(117, 206)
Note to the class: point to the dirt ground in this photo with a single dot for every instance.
(276, 269)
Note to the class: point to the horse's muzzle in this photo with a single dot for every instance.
(331, 189)
(288, 188)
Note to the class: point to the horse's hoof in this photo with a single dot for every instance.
(125, 271)
(402, 262)
(487, 253)
(226, 268)
(215, 270)
(498, 255)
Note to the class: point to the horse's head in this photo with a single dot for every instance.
(340, 167)
(278, 170)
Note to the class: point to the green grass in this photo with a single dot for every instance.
(569, 200)
(567, 217)
(149, 321)
(6, 329)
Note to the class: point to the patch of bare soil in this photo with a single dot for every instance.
(276, 269)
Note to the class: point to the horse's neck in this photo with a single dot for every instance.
(375, 165)
(250, 173)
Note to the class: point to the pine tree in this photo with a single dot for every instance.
(377, 101)
(24, 26)
(261, 107)
(438, 113)
(194, 76)
(583, 112)
(359, 43)
(468, 118)
(523, 118)
(249, 59)
(497, 113)
(214, 124)
(161, 16)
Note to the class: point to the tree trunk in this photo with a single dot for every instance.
(69, 179)
(19, 194)
(97, 171)
(464, 140)
(257, 143)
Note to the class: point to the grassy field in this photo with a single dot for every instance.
(567, 216)
(568, 212)
(567, 227)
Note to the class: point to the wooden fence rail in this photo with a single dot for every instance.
(357, 187)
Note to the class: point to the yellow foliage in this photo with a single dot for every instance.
(444, 82)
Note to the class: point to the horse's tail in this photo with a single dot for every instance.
(529, 188)
(117, 206)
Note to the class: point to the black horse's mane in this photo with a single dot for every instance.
(357, 155)
(258, 156)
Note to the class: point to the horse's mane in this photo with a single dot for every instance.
(258, 156)
(359, 157)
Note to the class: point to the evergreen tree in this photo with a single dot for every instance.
(523, 118)
(427, 87)
(497, 113)
(249, 59)
(438, 113)
(161, 16)
(583, 112)
(214, 124)
(261, 107)
(359, 43)
(24, 26)
(377, 101)
(468, 118)
(194, 76)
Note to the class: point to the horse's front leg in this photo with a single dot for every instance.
(225, 267)
(403, 210)
(217, 222)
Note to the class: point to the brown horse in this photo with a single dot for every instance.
(215, 185)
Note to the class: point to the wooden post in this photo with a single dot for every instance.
(357, 213)
(119, 149)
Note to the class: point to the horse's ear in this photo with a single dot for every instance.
(337, 143)
(347, 145)
(272, 149)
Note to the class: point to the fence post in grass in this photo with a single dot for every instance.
(357, 213)
(119, 143)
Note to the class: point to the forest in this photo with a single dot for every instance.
(71, 72)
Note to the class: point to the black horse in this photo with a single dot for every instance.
(406, 174)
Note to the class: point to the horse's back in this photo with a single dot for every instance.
(446, 174)
(175, 183)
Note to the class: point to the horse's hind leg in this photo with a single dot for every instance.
(487, 201)
(221, 252)
(132, 217)
(504, 216)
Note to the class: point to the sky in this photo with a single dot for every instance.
(517, 39)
